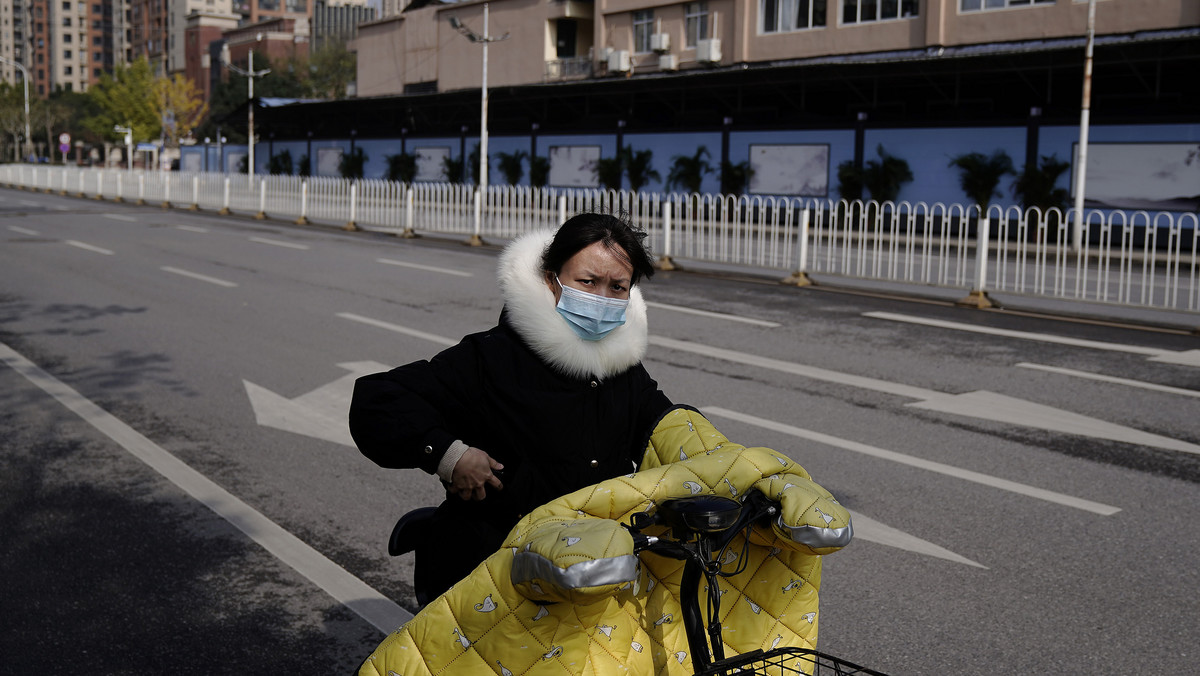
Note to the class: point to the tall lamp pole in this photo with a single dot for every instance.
(1084, 118)
(249, 74)
(485, 40)
(25, 79)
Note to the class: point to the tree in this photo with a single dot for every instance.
(126, 97)
(608, 171)
(305, 166)
(452, 168)
(351, 164)
(850, 181)
(1036, 185)
(539, 171)
(181, 106)
(280, 163)
(689, 172)
(979, 175)
(638, 169)
(885, 176)
(510, 165)
(735, 177)
(401, 167)
(331, 69)
(12, 116)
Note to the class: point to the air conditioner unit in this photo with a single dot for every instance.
(708, 51)
(618, 61)
(668, 62)
(660, 42)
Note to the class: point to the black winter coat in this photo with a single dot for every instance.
(553, 433)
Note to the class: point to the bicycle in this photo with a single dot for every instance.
(701, 529)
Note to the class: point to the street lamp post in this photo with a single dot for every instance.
(485, 40)
(249, 74)
(25, 79)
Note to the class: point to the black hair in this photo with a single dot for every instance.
(584, 230)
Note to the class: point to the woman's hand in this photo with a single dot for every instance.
(473, 474)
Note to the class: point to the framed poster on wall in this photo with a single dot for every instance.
(792, 169)
(329, 161)
(574, 166)
(431, 167)
(1151, 176)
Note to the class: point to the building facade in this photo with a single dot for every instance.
(560, 40)
(65, 44)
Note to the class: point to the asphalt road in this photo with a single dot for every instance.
(1015, 514)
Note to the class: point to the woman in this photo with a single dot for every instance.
(552, 399)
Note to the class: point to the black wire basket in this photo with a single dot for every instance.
(785, 662)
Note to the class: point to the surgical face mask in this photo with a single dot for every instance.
(592, 317)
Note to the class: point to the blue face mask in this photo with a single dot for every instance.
(592, 317)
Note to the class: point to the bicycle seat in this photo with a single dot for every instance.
(410, 531)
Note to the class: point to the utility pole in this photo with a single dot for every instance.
(250, 74)
(1084, 119)
(485, 40)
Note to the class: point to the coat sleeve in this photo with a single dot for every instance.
(402, 418)
(652, 405)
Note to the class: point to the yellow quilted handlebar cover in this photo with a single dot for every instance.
(519, 613)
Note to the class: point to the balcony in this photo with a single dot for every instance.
(572, 68)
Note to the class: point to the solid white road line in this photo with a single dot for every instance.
(428, 268)
(980, 404)
(434, 338)
(275, 242)
(928, 465)
(89, 247)
(380, 611)
(714, 315)
(1187, 358)
(196, 275)
(120, 217)
(23, 231)
(1111, 379)
(192, 228)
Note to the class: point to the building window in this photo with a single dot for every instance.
(66, 70)
(67, 38)
(976, 5)
(66, 53)
(695, 22)
(779, 16)
(643, 27)
(859, 11)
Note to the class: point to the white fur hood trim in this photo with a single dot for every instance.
(532, 313)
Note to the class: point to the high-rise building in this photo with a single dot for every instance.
(64, 44)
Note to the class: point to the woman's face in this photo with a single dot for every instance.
(594, 269)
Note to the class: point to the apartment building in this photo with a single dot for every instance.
(559, 40)
(65, 44)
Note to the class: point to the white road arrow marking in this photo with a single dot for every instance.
(866, 528)
(980, 404)
(320, 414)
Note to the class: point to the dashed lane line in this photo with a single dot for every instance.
(427, 268)
(276, 242)
(380, 611)
(88, 247)
(1111, 379)
(714, 315)
(198, 276)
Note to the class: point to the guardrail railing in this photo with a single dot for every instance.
(1139, 258)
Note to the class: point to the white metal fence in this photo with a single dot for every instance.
(1134, 258)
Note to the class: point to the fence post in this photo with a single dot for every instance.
(120, 187)
(408, 213)
(352, 224)
(476, 240)
(262, 200)
(82, 192)
(166, 203)
(978, 297)
(800, 276)
(141, 189)
(225, 204)
(562, 209)
(303, 220)
(664, 261)
(195, 194)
